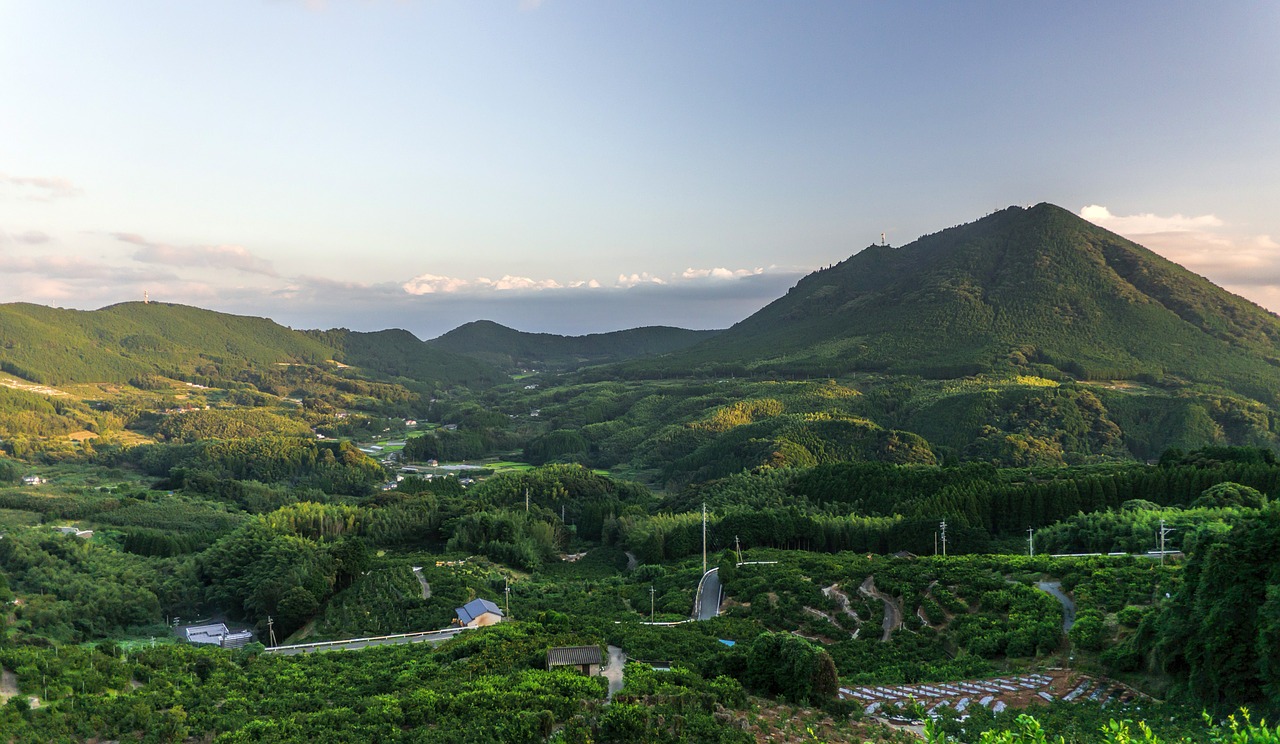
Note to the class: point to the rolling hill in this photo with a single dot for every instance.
(1035, 290)
(121, 342)
(511, 349)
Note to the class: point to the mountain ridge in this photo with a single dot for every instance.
(1035, 290)
(513, 349)
(120, 342)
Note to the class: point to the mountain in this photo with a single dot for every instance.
(1035, 290)
(512, 349)
(122, 342)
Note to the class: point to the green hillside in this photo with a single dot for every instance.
(130, 340)
(400, 354)
(512, 349)
(1032, 290)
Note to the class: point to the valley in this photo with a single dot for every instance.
(880, 473)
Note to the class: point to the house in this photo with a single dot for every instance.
(479, 612)
(33, 480)
(216, 634)
(586, 659)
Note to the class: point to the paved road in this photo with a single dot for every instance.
(426, 588)
(1068, 607)
(892, 613)
(707, 605)
(435, 636)
(614, 671)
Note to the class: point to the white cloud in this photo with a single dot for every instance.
(509, 282)
(632, 280)
(72, 268)
(434, 284)
(234, 257)
(1144, 224)
(424, 284)
(719, 273)
(39, 188)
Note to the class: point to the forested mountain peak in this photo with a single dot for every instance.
(510, 348)
(1036, 289)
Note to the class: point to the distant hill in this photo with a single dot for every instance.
(399, 353)
(1035, 290)
(126, 341)
(512, 349)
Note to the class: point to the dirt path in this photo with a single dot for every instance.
(842, 599)
(8, 685)
(892, 613)
(426, 588)
(30, 387)
(614, 671)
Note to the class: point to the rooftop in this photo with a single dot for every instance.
(475, 608)
(574, 656)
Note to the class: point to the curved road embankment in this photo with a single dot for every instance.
(707, 605)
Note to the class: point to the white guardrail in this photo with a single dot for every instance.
(424, 635)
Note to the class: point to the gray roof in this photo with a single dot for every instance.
(574, 656)
(475, 608)
(206, 633)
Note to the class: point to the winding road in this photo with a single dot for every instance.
(1068, 607)
(426, 588)
(892, 613)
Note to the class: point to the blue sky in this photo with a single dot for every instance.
(585, 166)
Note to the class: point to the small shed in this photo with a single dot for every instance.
(586, 659)
(479, 612)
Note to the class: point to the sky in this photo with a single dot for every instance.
(578, 167)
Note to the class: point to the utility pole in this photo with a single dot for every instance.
(944, 538)
(1163, 531)
(737, 548)
(271, 629)
(1031, 541)
(526, 501)
(651, 590)
(506, 589)
(704, 537)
